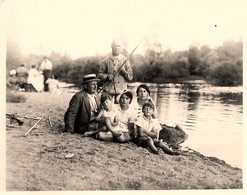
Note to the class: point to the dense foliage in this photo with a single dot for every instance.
(220, 66)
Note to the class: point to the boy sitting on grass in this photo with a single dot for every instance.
(108, 116)
(148, 131)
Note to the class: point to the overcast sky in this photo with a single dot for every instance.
(87, 27)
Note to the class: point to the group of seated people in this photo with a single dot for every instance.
(131, 119)
(30, 80)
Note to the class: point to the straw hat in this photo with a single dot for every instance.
(89, 78)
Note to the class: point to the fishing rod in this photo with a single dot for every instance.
(114, 74)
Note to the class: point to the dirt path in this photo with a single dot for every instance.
(37, 162)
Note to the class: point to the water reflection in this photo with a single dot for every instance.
(212, 120)
(231, 98)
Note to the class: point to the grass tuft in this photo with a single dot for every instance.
(15, 98)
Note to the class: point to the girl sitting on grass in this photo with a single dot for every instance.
(148, 131)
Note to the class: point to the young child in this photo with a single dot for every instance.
(53, 85)
(148, 131)
(108, 115)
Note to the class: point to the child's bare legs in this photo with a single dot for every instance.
(163, 146)
(151, 145)
(110, 128)
(89, 133)
(104, 136)
(124, 137)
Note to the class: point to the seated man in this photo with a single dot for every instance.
(22, 76)
(11, 81)
(83, 107)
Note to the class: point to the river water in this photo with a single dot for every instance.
(211, 116)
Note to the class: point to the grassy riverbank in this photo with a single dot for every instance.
(38, 161)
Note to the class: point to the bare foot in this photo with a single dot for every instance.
(155, 151)
(176, 153)
(88, 133)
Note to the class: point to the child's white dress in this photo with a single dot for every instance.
(111, 115)
(125, 117)
(152, 125)
(53, 85)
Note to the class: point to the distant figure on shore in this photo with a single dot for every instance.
(148, 131)
(83, 107)
(11, 81)
(46, 67)
(22, 76)
(53, 85)
(111, 71)
(36, 78)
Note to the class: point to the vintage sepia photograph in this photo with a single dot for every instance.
(122, 95)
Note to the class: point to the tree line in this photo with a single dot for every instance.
(221, 66)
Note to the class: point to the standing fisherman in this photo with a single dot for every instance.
(115, 71)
